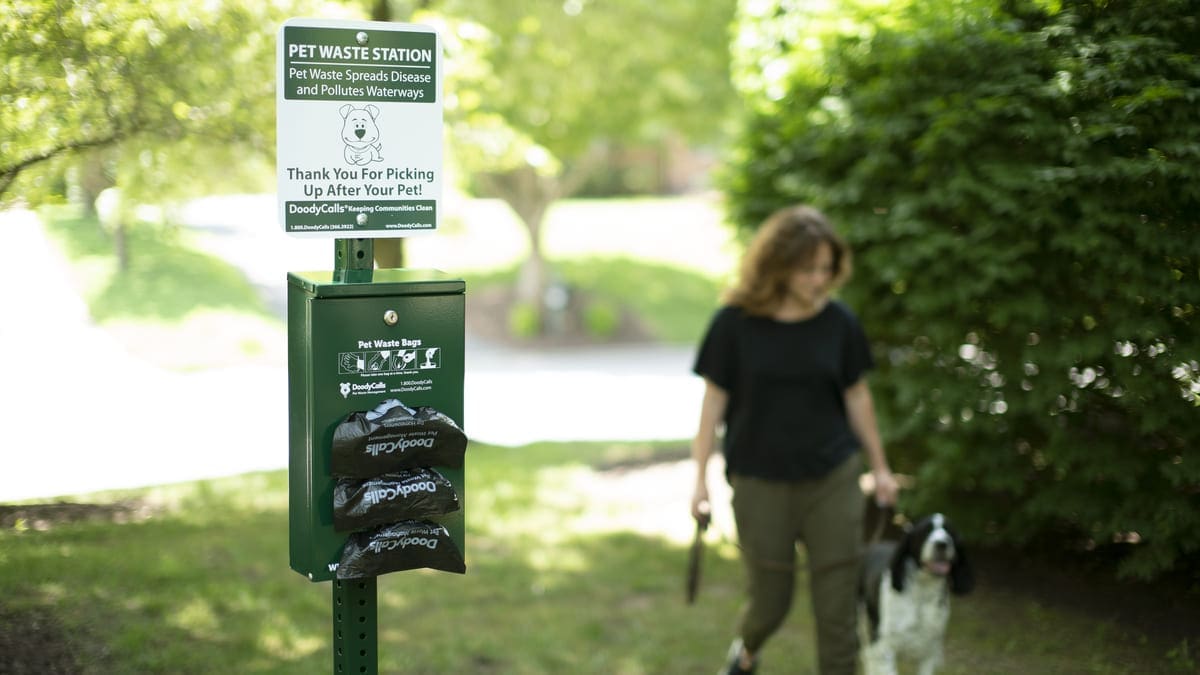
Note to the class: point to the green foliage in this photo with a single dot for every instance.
(1021, 185)
(537, 93)
(1181, 658)
(178, 91)
(567, 75)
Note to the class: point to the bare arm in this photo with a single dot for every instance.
(860, 408)
(712, 411)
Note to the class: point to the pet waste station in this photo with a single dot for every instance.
(375, 356)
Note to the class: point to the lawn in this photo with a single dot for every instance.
(575, 564)
(176, 306)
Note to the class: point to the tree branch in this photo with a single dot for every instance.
(9, 174)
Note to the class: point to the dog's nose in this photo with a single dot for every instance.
(360, 132)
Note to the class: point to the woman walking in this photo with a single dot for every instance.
(784, 368)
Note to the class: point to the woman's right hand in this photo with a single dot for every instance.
(712, 410)
(701, 509)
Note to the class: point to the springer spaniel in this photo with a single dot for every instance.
(905, 589)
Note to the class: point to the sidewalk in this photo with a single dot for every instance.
(642, 392)
(81, 414)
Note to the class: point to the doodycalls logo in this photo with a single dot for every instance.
(346, 389)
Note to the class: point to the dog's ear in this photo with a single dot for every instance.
(899, 563)
(345, 110)
(962, 577)
(373, 111)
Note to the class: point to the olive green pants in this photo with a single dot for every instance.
(826, 516)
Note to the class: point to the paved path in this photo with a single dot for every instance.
(80, 414)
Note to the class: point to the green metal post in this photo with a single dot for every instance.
(353, 260)
(355, 627)
(355, 601)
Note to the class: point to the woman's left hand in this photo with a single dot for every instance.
(886, 488)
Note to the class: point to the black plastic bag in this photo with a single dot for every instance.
(393, 437)
(407, 545)
(359, 504)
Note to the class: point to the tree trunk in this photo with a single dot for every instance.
(530, 195)
(93, 178)
(121, 244)
(531, 282)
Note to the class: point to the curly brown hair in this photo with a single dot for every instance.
(786, 240)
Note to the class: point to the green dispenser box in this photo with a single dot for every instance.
(399, 334)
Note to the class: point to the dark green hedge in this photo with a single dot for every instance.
(1022, 190)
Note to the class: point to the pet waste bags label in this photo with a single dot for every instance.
(359, 128)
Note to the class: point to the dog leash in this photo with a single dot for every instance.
(696, 557)
(884, 515)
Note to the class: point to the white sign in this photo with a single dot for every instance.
(358, 128)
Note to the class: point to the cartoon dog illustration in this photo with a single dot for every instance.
(360, 134)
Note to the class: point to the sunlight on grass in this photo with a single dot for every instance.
(247, 493)
(52, 592)
(675, 302)
(252, 347)
(175, 307)
(204, 339)
(195, 616)
(548, 558)
(167, 278)
(652, 501)
(280, 638)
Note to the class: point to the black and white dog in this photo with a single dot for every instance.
(905, 591)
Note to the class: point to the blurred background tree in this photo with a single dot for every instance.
(540, 95)
(167, 99)
(163, 100)
(1021, 183)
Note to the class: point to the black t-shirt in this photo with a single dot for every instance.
(786, 416)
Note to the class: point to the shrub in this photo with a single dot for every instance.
(1022, 188)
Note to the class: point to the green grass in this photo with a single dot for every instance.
(555, 584)
(674, 302)
(167, 279)
(175, 306)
